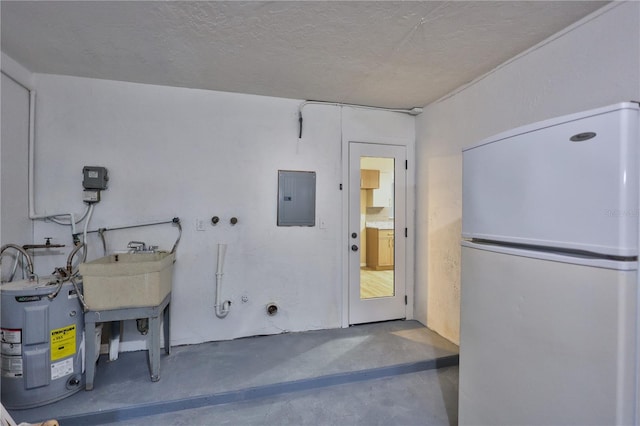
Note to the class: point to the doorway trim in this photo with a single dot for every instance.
(409, 144)
(385, 306)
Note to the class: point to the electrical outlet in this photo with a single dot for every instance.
(200, 224)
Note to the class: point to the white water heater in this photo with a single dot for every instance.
(42, 342)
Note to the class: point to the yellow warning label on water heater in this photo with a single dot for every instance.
(63, 342)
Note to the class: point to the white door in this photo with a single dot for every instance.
(377, 232)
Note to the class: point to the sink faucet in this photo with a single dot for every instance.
(137, 246)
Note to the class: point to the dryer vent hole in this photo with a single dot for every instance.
(272, 309)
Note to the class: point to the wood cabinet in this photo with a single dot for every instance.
(382, 196)
(380, 253)
(369, 179)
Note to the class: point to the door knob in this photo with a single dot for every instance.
(354, 247)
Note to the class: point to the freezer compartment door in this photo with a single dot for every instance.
(545, 343)
(537, 186)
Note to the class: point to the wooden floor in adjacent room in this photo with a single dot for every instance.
(375, 283)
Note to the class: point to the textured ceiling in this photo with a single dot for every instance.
(392, 54)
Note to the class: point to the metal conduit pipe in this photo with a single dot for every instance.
(24, 253)
(85, 308)
(411, 111)
(33, 215)
(71, 256)
(59, 282)
(176, 221)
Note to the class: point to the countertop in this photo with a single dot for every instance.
(380, 225)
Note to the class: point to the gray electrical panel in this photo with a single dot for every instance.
(296, 198)
(95, 177)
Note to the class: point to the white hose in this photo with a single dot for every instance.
(84, 233)
(72, 221)
(222, 309)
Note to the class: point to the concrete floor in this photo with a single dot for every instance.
(391, 373)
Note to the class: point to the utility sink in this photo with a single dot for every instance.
(127, 280)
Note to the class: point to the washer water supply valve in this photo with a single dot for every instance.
(215, 220)
(47, 244)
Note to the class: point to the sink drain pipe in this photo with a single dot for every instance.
(222, 308)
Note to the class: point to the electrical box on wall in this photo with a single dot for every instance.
(91, 196)
(94, 177)
(296, 198)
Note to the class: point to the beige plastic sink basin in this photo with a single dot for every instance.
(127, 280)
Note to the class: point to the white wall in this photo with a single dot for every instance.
(195, 154)
(593, 63)
(15, 225)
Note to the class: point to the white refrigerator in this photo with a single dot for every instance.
(549, 292)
